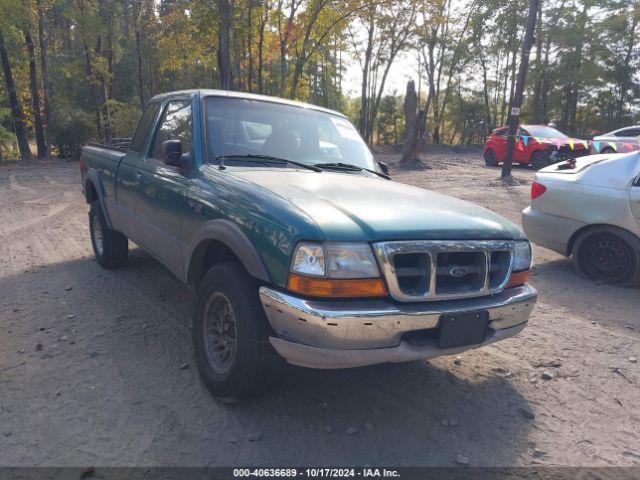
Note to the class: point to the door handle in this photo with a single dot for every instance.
(138, 178)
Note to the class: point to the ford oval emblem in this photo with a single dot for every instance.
(457, 271)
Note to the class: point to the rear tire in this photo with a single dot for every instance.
(490, 159)
(608, 254)
(111, 248)
(607, 150)
(231, 335)
(540, 160)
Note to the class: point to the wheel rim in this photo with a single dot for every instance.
(490, 157)
(219, 332)
(608, 258)
(98, 240)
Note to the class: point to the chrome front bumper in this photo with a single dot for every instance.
(343, 334)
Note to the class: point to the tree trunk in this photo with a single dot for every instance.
(488, 124)
(516, 102)
(411, 150)
(94, 95)
(364, 90)
(537, 90)
(627, 70)
(17, 113)
(224, 59)
(44, 72)
(263, 24)
(139, 64)
(250, 45)
(106, 81)
(35, 95)
(546, 82)
(572, 88)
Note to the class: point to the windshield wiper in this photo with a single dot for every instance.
(351, 167)
(264, 159)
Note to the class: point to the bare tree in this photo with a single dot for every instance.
(389, 27)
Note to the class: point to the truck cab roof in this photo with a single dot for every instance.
(241, 95)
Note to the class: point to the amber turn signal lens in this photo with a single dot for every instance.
(518, 278)
(342, 288)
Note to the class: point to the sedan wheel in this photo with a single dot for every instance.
(540, 160)
(610, 255)
(490, 158)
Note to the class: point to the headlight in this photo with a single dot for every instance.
(351, 260)
(522, 256)
(335, 260)
(308, 259)
(335, 270)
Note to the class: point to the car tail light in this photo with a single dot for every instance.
(537, 189)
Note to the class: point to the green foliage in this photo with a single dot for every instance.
(8, 146)
(125, 117)
(70, 130)
(105, 56)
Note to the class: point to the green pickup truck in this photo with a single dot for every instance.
(297, 242)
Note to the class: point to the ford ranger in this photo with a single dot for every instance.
(298, 244)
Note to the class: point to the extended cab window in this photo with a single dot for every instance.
(176, 124)
(137, 142)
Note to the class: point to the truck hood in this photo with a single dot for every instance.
(355, 207)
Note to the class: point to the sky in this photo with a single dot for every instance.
(403, 69)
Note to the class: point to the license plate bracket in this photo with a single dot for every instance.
(463, 329)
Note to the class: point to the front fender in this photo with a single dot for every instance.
(230, 235)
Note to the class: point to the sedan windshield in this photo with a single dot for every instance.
(239, 127)
(544, 132)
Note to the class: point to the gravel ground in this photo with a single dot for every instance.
(96, 367)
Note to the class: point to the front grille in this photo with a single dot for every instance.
(435, 270)
(566, 152)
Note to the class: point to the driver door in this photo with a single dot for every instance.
(162, 189)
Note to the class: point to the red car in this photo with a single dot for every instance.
(536, 145)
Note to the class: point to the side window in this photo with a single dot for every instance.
(176, 124)
(502, 133)
(628, 132)
(137, 142)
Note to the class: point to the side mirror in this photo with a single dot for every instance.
(384, 167)
(170, 152)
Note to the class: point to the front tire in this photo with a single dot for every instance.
(540, 160)
(490, 159)
(608, 254)
(231, 334)
(111, 248)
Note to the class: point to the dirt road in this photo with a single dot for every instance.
(96, 367)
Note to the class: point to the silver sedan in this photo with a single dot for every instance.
(621, 140)
(589, 209)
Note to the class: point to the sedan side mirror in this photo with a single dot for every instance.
(384, 167)
(170, 152)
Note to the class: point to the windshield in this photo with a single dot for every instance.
(238, 126)
(544, 131)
